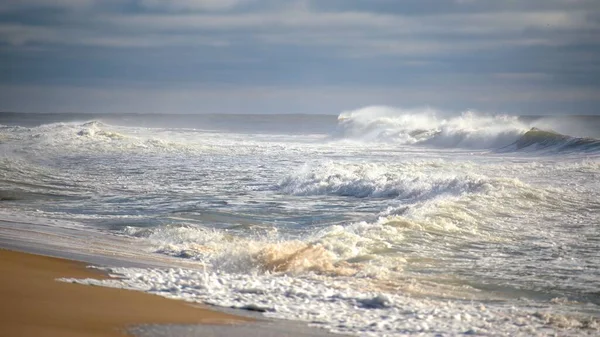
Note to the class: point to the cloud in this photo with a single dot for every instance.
(421, 47)
(20, 5)
(190, 5)
(18, 34)
(359, 33)
(396, 24)
(522, 76)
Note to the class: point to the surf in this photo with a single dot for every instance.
(426, 126)
(466, 130)
(543, 140)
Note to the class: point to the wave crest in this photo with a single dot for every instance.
(431, 127)
(96, 128)
(379, 181)
(94, 137)
(536, 139)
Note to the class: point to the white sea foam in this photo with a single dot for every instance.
(421, 197)
(324, 253)
(378, 180)
(96, 137)
(335, 304)
(366, 248)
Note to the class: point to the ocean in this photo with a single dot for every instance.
(379, 221)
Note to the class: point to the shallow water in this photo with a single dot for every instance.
(382, 221)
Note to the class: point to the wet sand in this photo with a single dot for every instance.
(33, 303)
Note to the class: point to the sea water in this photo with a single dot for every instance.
(378, 221)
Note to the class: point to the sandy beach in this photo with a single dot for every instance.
(35, 304)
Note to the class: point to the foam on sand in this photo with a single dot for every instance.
(341, 305)
(34, 304)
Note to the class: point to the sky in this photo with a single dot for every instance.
(299, 56)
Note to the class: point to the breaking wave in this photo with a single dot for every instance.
(370, 248)
(429, 127)
(267, 253)
(377, 180)
(94, 137)
(96, 128)
(469, 130)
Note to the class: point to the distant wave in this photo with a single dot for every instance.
(468, 130)
(96, 128)
(93, 137)
(429, 127)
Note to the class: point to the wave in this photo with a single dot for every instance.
(469, 130)
(97, 128)
(408, 181)
(372, 248)
(541, 140)
(440, 214)
(266, 253)
(429, 127)
(94, 137)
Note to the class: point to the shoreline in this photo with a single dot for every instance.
(34, 303)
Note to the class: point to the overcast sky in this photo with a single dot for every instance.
(299, 56)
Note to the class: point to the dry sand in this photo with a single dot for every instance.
(33, 303)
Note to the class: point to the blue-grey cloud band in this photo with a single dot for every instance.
(519, 57)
